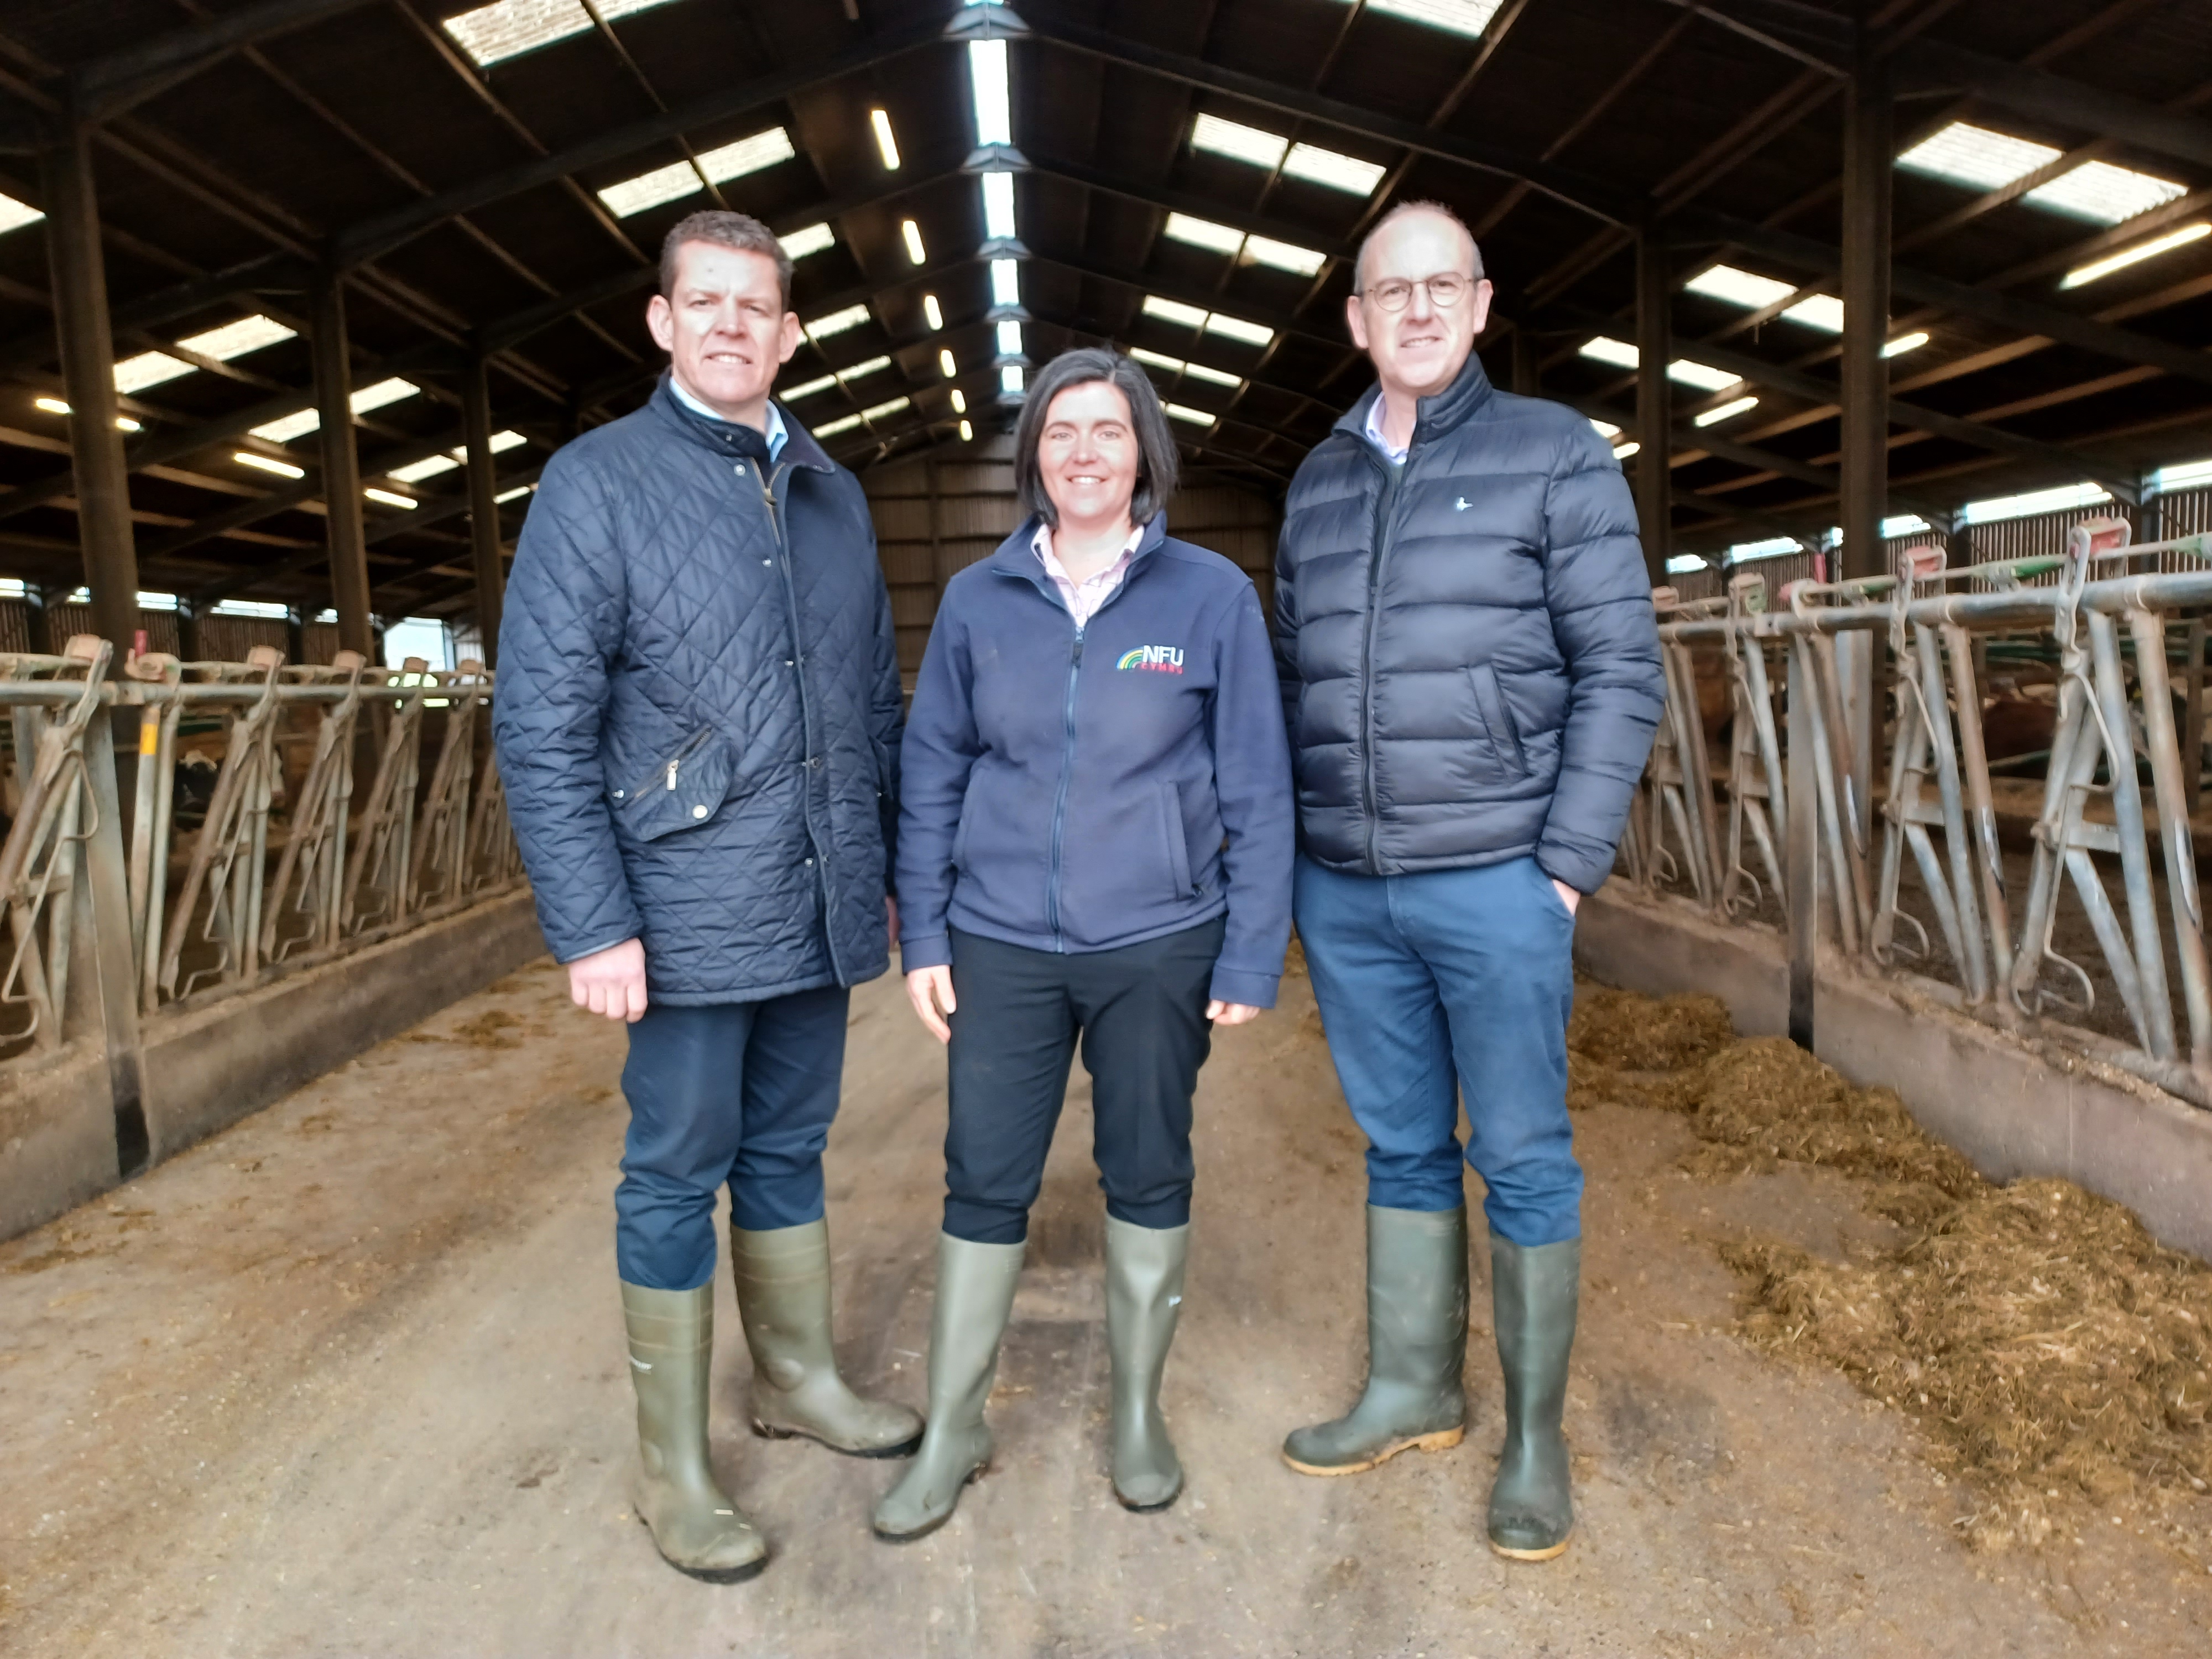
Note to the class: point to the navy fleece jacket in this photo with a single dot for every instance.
(1078, 789)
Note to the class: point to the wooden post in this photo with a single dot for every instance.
(348, 539)
(1655, 403)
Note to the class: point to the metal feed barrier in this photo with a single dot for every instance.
(1793, 823)
(276, 863)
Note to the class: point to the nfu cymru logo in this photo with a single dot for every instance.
(1156, 658)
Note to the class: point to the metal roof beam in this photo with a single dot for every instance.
(106, 86)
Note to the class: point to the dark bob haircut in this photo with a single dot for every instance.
(1156, 460)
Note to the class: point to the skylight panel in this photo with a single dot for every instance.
(1006, 282)
(890, 407)
(381, 394)
(932, 312)
(501, 442)
(1822, 311)
(2184, 475)
(2060, 500)
(838, 322)
(491, 34)
(1727, 411)
(1772, 548)
(1010, 339)
(1237, 329)
(14, 215)
(1173, 310)
(269, 464)
(1201, 372)
(1195, 417)
(911, 233)
(56, 406)
(998, 205)
(236, 339)
(1606, 428)
(391, 498)
(290, 427)
(679, 179)
(2141, 251)
(513, 494)
(1160, 360)
(886, 141)
(988, 88)
(1908, 524)
(1338, 172)
(1467, 17)
(946, 365)
(1968, 155)
(2105, 194)
(1739, 288)
(1238, 141)
(1905, 343)
(959, 401)
(967, 432)
(831, 429)
(1011, 380)
(1283, 256)
(148, 368)
(1682, 563)
(428, 467)
(1203, 233)
(792, 394)
(812, 240)
(860, 371)
(1621, 354)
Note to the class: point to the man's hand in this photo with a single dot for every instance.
(610, 981)
(930, 989)
(1568, 895)
(1230, 1013)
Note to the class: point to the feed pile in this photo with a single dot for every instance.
(2051, 1349)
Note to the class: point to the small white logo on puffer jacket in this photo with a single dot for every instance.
(1462, 504)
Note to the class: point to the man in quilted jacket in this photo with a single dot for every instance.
(1470, 670)
(698, 729)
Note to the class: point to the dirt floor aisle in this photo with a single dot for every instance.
(350, 1380)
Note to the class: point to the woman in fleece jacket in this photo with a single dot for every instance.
(1095, 844)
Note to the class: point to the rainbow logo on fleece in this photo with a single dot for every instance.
(1154, 658)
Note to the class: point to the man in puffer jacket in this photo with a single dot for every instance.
(698, 728)
(1470, 670)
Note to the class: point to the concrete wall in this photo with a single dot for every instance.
(205, 1067)
(2016, 1108)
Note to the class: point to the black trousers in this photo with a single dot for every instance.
(1140, 1013)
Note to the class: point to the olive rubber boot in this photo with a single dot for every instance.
(696, 1527)
(1533, 1295)
(974, 1298)
(1416, 1348)
(783, 1299)
(1144, 1297)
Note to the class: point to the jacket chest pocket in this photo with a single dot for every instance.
(683, 791)
(1496, 718)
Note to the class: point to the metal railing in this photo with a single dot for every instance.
(1865, 807)
(246, 851)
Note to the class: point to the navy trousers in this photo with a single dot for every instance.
(1431, 983)
(741, 1092)
(1140, 1013)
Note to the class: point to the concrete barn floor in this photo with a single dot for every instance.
(350, 1380)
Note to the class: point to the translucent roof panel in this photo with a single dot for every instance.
(236, 339)
(2141, 251)
(1739, 288)
(999, 204)
(1467, 17)
(1283, 256)
(14, 215)
(1326, 166)
(987, 91)
(680, 178)
(1237, 329)
(2063, 499)
(831, 429)
(1822, 311)
(1010, 339)
(838, 322)
(1621, 354)
(490, 35)
(890, 407)
(812, 240)
(1173, 310)
(148, 368)
(1203, 233)
(1237, 142)
(428, 467)
(2105, 194)
(1177, 366)
(1185, 412)
(1968, 155)
(1006, 282)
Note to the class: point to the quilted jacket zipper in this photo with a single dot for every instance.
(1386, 504)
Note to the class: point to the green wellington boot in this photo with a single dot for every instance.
(1144, 1297)
(1533, 1294)
(696, 1527)
(1416, 1348)
(783, 1299)
(974, 1298)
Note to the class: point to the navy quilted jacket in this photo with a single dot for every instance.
(1468, 656)
(698, 734)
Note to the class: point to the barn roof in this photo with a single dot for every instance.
(970, 189)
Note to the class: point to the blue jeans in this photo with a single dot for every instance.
(742, 1092)
(1449, 978)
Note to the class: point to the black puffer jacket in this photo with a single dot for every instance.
(1469, 660)
(698, 734)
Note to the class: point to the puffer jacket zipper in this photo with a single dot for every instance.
(1386, 506)
(768, 481)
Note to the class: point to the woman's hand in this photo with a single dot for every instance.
(1229, 1013)
(930, 989)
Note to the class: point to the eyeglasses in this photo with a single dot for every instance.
(1445, 290)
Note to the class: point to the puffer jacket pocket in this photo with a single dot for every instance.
(681, 793)
(1497, 717)
(1178, 845)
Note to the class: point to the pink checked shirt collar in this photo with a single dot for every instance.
(1082, 598)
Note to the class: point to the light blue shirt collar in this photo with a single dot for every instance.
(1395, 456)
(776, 434)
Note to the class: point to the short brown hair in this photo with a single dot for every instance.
(723, 229)
(1359, 259)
